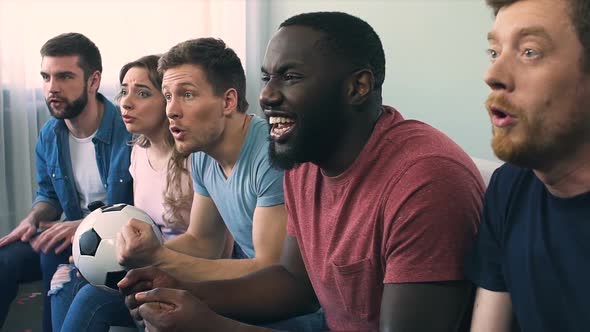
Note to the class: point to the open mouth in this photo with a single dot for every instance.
(281, 127)
(177, 132)
(498, 113)
(55, 102)
(500, 118)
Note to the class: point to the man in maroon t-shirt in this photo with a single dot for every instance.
(381, 210)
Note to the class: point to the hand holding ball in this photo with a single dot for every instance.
(95, 249)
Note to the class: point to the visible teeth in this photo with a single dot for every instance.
(279, 119)
(276, 132)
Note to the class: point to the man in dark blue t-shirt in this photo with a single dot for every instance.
(531, 259)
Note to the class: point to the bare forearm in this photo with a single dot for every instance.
(267, 295)
(190, 245)
(196, 269)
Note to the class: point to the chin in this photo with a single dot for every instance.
(282, 157)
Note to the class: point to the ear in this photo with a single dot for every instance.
(360, 86)
(230, 101)
(94, 81)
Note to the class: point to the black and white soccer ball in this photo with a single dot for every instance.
(95, 249)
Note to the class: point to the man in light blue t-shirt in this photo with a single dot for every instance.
(236, 188)
(251, 184)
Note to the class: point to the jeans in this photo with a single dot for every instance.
(314, 322)
(79, 306)
(19, 264)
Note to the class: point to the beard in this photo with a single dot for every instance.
(317, 134)
(537, 143)
(70, 109)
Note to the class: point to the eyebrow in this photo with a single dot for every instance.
(138, 85)
(284, 66)
(59, 73)
(525, 32)
(183, 84)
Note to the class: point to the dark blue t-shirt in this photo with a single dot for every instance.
(536, 247)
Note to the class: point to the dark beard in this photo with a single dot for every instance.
(72, 109)
(285, 161)
(318, 136)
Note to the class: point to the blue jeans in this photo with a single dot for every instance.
(79, 306)
(314, 322)
(19, 264)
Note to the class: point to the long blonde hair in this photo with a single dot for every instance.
(176, 199)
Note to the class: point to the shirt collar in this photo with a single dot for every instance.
(105, 128)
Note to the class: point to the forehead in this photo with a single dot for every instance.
(183, 74)
(550, 16)
(137, 74)
(69, 63)
(294, 44)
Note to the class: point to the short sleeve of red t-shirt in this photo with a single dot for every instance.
(427, 229)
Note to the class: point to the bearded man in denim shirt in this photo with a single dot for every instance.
(82, 159)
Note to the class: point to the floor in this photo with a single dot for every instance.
(26, 310)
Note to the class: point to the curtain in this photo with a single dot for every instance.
(123, 30)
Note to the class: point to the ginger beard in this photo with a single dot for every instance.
(534, 142)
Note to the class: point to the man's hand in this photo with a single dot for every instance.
(143, 279)
(137, 244)
(165, 309)
(55, 233)
(24, 231)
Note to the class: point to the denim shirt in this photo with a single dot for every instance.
(55, 175)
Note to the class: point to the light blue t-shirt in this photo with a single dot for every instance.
(253, 182)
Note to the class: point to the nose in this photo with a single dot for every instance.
(173, 109)
(271, 94)
(53, 85)
(499, 76)
(126, 102)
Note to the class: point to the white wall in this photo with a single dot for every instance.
(435, 59)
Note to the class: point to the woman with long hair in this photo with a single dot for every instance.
(156, 167)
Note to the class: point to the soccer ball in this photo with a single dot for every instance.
(95, 249)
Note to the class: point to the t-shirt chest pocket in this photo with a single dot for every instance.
(355, 283)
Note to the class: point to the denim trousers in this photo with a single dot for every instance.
(19, 263)
(78, 306)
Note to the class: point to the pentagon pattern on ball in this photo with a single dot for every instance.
(95, 243)
(89, 241)
(117, 207)
(113, 278)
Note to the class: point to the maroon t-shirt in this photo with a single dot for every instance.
(406, 210)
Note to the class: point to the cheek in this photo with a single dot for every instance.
(150, 110)
(548, 103)
(204, 113)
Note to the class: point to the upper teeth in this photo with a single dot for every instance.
(279, 119)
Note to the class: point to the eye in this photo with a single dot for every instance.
(493, 54)
(45, 77)
(123, 92)
(167, 97)
(291, 77)
(188, 94)
(143, 94)
(530, 53)
(265, 78)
